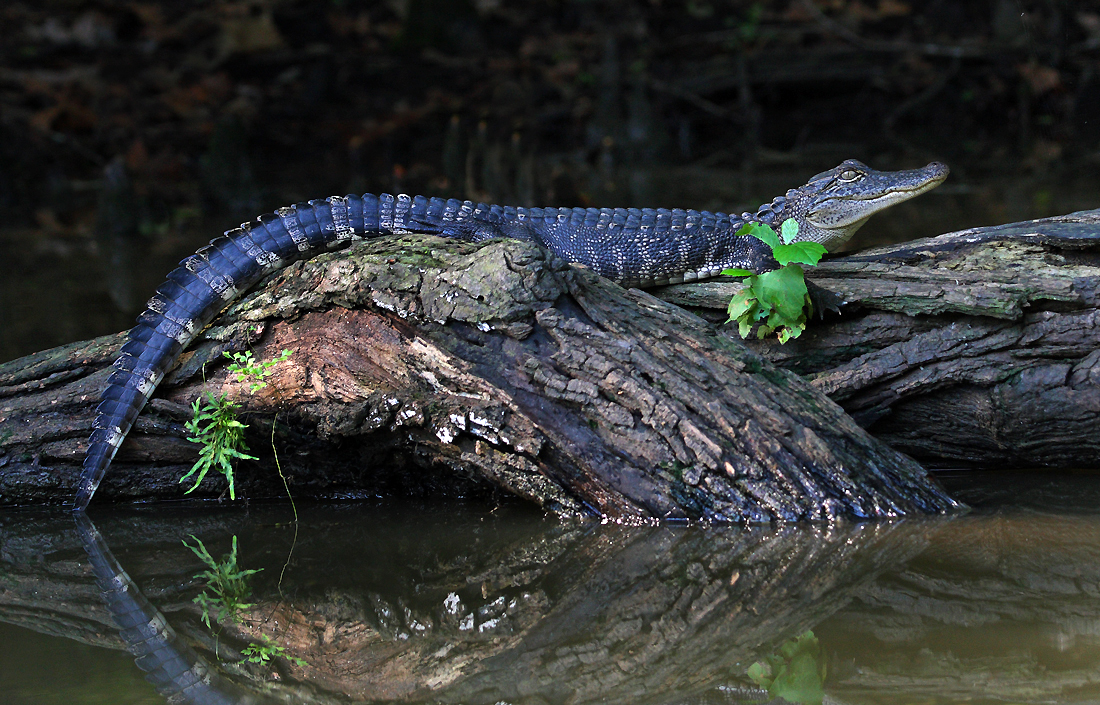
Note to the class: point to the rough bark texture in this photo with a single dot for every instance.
(440, 366)
(979, 348)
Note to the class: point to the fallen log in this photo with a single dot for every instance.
(978, 349)
(432, 366)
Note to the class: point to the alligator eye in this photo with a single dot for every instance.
(849, 175)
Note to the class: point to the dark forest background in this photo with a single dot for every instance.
(133, 131)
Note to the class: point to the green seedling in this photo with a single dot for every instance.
(795, 673)
(215, 427)
(262, 653)
(214, 424)
(775, 301)
(248, 368)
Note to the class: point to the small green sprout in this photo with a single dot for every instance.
(215, 427)
(262, 653)
(247, 368)
(775, 301)
(227, 586)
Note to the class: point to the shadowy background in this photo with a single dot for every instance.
(131, 132)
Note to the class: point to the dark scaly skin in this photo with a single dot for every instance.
(634, 247)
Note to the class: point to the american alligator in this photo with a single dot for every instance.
(635, 247)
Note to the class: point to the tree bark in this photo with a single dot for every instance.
(433, 366)
(979, 348)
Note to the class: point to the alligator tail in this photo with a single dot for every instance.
(209, 280)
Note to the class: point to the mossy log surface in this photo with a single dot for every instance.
(430, 366)
(979, 348)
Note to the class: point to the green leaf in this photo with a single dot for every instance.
(760, 674)
(737, 273)
(799, 252)
(742, 303)
(800, 681)
(784, 290)
(789, 230)
(761, 232)
(775, 302)
(795, 672)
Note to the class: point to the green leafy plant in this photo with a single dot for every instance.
(775, 301)
(248, 368)
(214, 424)
(796, 672)
(227, 586)
(215, 427)
(262, 653)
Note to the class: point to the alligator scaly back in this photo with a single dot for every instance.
(634, 247)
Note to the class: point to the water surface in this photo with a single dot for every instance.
(469, 603)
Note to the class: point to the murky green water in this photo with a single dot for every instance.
(480, 604)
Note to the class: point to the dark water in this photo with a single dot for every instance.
(477, 604)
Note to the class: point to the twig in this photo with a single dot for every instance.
(695, 99)
(913, 101)
(279, 469)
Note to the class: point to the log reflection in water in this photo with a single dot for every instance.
(461, 608)
(170, 664)
(661, 614)
(1004, 608)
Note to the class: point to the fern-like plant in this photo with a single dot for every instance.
(215, 427)
(262, 653)
(246, 367)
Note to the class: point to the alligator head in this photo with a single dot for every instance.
(835, 203)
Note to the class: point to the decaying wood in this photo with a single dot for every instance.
(978, 348)
(436, 366)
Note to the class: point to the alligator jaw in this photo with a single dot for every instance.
(836, 203)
